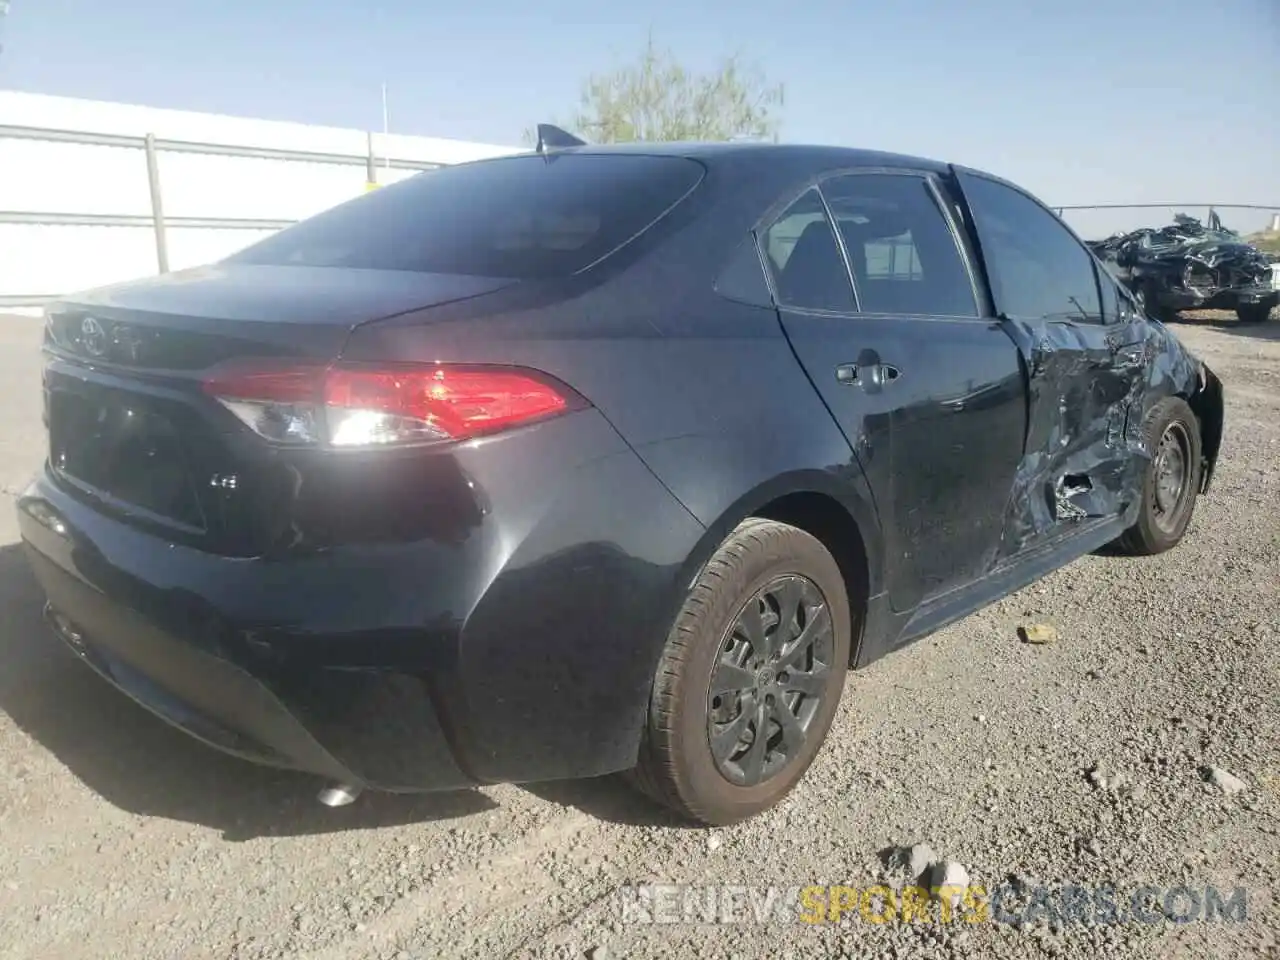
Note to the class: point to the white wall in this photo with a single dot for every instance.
(43, 177)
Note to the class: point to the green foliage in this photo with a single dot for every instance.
(1266, 241)
(657, 98)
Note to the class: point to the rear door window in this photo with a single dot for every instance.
(901, 248)
(522, 217)
(803, 259)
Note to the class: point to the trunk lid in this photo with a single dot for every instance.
(131, 430)
(193, 319)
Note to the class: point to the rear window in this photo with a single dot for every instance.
(520, 217)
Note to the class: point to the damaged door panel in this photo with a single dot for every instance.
(1084, 456)
(1084, 358)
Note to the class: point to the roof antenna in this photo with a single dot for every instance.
(552, 136)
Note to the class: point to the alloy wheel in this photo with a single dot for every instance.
(770, 676)
(1171, 468)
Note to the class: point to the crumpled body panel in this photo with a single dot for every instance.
(1089, 389)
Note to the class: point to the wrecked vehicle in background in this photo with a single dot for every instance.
(1190, 266)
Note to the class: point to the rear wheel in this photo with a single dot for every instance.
(750, 678)
(1171, 481)
(1254, 312)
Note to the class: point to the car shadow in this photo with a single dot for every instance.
(141, 764)
(1227, 323)
(1112, 551)
(611, 799)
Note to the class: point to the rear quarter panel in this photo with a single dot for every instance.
(717, 410)
(710, 398)
(705, 389)
(725, 421)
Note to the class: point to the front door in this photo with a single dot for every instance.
(1086, 360)
(928, 392)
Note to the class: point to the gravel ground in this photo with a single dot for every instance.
(1081, 761)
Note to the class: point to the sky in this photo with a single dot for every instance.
(1088, 101)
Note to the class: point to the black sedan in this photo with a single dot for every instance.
(595, 459)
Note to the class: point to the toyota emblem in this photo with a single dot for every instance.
(93, 337)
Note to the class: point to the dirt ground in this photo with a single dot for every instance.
(1078, 762)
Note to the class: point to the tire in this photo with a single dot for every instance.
(676, 765)
(1163, 517)
(1254, 312)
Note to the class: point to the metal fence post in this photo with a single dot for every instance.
(151, 146)
(157, 204)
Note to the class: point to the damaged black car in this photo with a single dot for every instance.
(1188, 265)
(610, 459)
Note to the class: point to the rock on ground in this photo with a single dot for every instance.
(1226, 782)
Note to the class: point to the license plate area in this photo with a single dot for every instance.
(124, 449)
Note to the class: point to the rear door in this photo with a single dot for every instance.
(927, 391)
(1084, 350)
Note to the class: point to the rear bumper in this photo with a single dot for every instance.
(374, 728)
(523, 651)
(1225, 299)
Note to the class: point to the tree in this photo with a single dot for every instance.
(657, 98)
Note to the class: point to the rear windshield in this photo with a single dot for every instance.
(518, 217)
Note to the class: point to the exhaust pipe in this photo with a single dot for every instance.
(339, 794)
(67, 631)
(334, 795)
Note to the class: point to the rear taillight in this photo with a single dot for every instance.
(366, 406)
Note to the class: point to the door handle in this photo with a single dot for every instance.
(877, 374)
(867, 374)
(847, 373)
(886, 373)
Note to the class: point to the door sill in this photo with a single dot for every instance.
(1010, 576)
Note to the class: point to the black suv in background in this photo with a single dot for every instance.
(1190, 266)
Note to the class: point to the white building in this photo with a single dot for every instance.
(76, 206)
